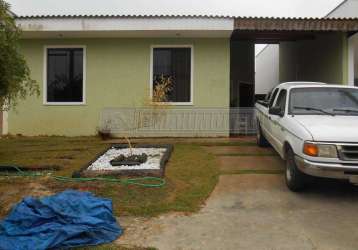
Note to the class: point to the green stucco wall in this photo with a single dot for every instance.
(117, 75)
(323, 59)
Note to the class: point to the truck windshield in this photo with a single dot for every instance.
(323, 101)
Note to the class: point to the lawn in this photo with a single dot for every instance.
(191, 175)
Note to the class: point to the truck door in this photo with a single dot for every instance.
(266, 126)
(277, 130)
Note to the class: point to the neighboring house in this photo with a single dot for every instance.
(96, 71)
(265, 79)
(268, 61)
(348, 9)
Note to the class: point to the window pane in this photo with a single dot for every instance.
(64, 75)
(272, 98)
(322, 98)
(174, 63)
(281, 100)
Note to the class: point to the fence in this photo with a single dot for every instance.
(201, 122)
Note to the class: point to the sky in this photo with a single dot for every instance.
(275, 8)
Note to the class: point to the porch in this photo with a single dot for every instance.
(178, 122)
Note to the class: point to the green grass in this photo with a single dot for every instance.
(191, 175)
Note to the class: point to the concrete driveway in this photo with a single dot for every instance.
(251, 208)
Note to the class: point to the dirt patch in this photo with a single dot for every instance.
(11, 197)
(230, 184)
(38, 190)
(235, 163)
(137, 229)
(240, 150)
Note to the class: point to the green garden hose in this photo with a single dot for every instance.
(142, 181)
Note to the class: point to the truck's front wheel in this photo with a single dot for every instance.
(295, 179)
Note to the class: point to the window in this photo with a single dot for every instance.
(64, 76)
(320, 100)
(273, 97)
(176, 63)
(281, 100)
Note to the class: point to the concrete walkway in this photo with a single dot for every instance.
(256, 211)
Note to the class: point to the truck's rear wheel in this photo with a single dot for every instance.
(295, 179)
(260, 138)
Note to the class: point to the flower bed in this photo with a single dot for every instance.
(120, 160)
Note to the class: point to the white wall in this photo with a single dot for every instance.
(267, 69)
(349, 8)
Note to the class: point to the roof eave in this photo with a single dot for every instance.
(296, 24)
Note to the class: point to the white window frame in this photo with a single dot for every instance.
(45, 102)
(152, 47)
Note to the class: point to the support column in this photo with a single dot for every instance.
(352, 50)
(5, 125)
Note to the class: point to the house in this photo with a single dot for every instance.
(267, 61)
(96, 70)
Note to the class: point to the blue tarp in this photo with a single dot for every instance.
(61, 221)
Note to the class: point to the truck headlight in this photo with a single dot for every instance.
(320, 150)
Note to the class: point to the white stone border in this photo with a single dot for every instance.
(102, 163)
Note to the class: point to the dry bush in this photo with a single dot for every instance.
(154, 110)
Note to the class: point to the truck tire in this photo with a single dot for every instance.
(260, 138)
(295, 180)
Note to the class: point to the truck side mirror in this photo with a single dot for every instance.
(275, 111)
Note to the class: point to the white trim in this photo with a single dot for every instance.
(125, 23)
(152, 47)
(45, 102)
(5, 123)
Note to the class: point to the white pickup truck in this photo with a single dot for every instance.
(314, 128)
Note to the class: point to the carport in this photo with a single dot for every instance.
(310, 49)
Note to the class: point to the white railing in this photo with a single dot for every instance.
(178, 122)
